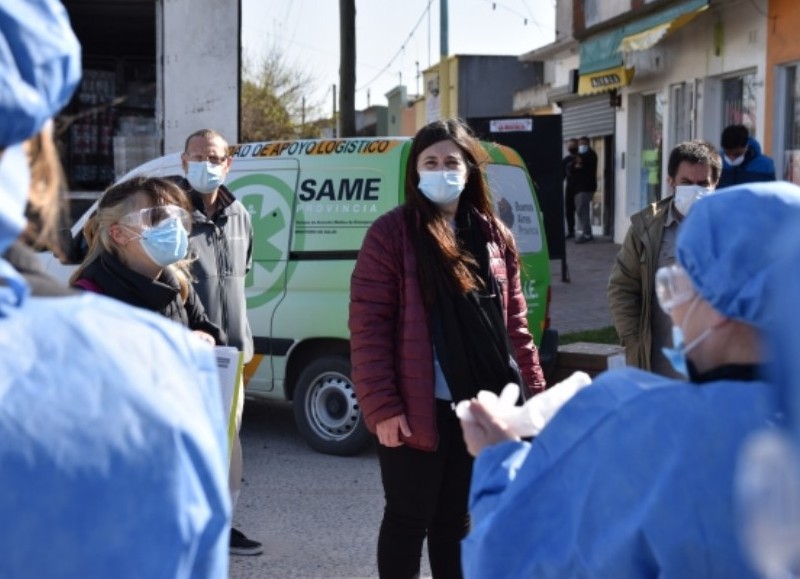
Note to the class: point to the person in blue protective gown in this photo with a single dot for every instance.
(634, 476)
(768, 471)
(113, 455)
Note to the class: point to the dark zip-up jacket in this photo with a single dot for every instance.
(114, 279)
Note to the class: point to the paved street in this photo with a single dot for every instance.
(318, 515)
(581, 304)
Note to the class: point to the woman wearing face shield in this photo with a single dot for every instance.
(634, 475)
(138, 239)
(436, 314)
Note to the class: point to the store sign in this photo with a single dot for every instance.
(605, 80)
(511, 126)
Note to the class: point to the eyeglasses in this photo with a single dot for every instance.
(673, 287)
(151, 216)
(213, 159)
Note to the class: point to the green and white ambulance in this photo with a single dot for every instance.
(311, 202)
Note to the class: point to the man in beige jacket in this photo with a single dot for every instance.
(693, 170)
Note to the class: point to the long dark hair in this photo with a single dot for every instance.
(442, 263)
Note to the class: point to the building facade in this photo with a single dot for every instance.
(650, 74)
(782, 116)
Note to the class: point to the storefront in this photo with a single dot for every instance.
(594, 117)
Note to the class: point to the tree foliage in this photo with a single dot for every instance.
(276, 100)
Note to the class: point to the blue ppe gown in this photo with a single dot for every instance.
(632, 478)
(113, 455)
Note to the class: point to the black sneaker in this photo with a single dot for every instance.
(570, 235)
(241, 545)
(584, 238)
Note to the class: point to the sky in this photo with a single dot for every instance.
(395, 39)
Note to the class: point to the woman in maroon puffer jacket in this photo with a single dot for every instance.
(436, 314)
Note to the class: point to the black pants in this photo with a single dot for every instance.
(569, 212)
(426, 495)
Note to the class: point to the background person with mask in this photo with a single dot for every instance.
(103, 474)
(584, 173)
(634, 476)
(436, 313)
(570, 191)
(693, 171)
(221, 243)
(743, 161)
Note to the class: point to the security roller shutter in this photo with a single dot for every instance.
(592, 116)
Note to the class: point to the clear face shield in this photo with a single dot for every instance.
(150, 217)
(673, 287)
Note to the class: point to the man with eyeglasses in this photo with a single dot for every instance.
(222, 242)
(635, 475)
(693, 170)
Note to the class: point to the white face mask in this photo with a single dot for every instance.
(205, 177)
(686, 195)
(15, 184)
(441, 187)
(735, 162)
(583, 149)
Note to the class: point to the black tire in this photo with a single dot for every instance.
(326, 411)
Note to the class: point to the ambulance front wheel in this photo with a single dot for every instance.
(326, 410)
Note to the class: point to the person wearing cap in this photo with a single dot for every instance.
(767, 482)
(634, 475)
(693, 171)
(113, 447)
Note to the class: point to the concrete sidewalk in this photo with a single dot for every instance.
(581, 304)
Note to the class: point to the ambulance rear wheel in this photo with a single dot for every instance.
(326, 411)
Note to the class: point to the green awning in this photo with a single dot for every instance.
(604, 51)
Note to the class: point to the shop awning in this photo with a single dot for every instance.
(652, 36)
(603, 52)
(604, 80)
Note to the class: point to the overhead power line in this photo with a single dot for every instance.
(400, 51)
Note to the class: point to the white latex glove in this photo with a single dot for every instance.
(530, 418)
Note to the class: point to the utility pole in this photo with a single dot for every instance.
(444, 65)
(335, 119)
(347, 68)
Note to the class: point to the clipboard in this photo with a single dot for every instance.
(230, 365)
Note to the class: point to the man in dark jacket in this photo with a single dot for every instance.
(585, 182)
(222, 241)
(567, 174)
(743, 161)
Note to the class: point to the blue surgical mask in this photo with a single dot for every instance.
(205, 177)
(165, 243)
(441, 187)
(676, 355)
(583, 149)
